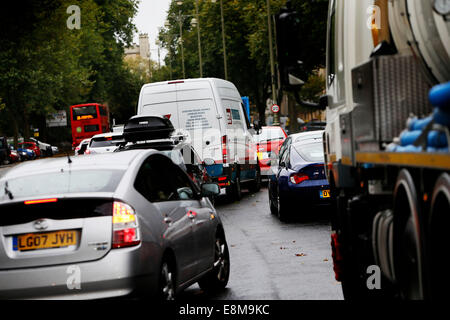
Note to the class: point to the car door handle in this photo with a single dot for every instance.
(192, 214)
(168, 220)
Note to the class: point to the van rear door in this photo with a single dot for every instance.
(159, 100)
(197, 114)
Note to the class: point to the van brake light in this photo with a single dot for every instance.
(224, 149)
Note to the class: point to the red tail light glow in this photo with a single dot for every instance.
(224, 149)
(298, 178)
(41, 201)
(125, 227)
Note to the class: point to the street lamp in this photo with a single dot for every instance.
(196, 22)
(276, 115)
(167, 25)
(223, 39)
(158, 44)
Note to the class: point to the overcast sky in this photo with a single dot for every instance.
(151, 16)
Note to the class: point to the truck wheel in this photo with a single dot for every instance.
(234, 192)
(255, 186)
(438, 229)
(408, 242)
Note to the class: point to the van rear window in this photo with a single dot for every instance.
(235, 114)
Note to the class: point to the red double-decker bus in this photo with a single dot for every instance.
(88, 120)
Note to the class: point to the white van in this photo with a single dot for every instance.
(211, 113)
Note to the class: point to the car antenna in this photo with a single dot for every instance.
(68, 158)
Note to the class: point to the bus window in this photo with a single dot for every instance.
(86, 112)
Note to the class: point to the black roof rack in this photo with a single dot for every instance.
(144, 128)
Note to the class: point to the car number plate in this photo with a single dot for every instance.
(324, 194)
(36, 241)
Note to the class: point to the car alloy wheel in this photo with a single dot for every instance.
(167, 285)
(217, 278)
(221, 261)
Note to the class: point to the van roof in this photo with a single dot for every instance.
(225, 87)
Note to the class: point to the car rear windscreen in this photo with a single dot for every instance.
(270, 134)
(106, 142)
(311, 152)
(61, 183)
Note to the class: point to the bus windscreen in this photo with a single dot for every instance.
(84, 113)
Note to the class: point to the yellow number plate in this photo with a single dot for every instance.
(35, 241)
(324, 194)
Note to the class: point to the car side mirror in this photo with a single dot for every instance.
(210, 189)
(209, 162)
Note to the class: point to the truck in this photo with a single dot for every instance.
(386, 146)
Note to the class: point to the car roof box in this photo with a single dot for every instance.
(143, 128)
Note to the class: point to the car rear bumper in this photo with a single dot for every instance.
(119, 273)
(305, 196)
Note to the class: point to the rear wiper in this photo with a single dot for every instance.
(7, 192)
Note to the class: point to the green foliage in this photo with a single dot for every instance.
(247, 44)
(45, 66)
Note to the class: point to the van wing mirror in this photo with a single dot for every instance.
(257, 126)
(209, 162)
(323, 102)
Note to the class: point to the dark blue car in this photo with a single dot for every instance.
(299, 181)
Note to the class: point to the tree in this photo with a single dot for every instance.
(45, 66)
(246, 42)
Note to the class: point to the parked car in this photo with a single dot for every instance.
(269, 141)
(130, 222)
(46, 149)
(14, 155)
(81, 148)
(104, 142)
(300, 180)
(4, 151)
(26, 154)
(31, 146)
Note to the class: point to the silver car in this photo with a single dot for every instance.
(108, 225)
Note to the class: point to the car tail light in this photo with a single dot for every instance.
(298, 178)
(125, 227)
(87, 151)
(41, 201)
(224, 149)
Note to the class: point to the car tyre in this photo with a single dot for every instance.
(283, 209)
(217, 279)
(166, 285)
(272, 204)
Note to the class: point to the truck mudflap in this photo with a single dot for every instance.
(336, 253)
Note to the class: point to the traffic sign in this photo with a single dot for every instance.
(275, 108)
